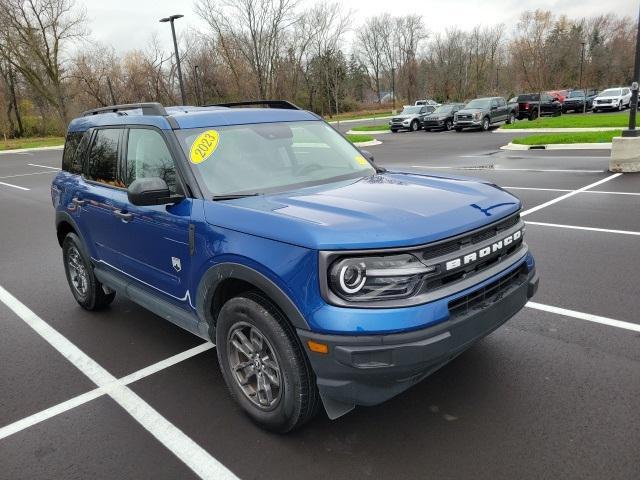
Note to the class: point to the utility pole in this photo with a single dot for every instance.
(632, 131)
(199, 99)
(113, 97)
(584, 100)
(393, 88)
(171, 19)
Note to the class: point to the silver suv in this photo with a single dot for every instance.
(410, 118)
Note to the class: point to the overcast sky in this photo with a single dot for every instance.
(128, 24)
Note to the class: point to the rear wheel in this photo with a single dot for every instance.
(263, 364)
(84, 285)
(533, 115)
(512, 118)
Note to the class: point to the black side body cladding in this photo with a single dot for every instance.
(218, 273)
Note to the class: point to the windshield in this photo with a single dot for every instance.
(479, 103)
(612, 92)
(576, 94)
(270, 157)
(444, 109)
(411, 110)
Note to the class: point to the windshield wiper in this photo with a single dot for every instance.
(233, 196)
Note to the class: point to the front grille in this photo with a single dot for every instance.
(476, 237)
(396, 120)
(465, 117)
(487, 295)
(605, 101)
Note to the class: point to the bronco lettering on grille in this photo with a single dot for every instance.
(483, 252)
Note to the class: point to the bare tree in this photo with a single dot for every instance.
(33, 36)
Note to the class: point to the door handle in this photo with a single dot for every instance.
(77, 202)
(126, 217)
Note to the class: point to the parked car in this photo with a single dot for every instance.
(513, 104)
(577, 102)
(252, 228)
(483, 113)
(612, 99)
(427, 102)
(442, 117)
(559, 95)
(410, 118)
(530, 106)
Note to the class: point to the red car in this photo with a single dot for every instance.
(559, 95)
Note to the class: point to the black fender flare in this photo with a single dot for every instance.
(215, 275)
(65, 217)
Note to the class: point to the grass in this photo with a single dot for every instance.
(617, 119)
(18, 143)
(579, 137)
(360, 138)
(357, 115)
(371, 128)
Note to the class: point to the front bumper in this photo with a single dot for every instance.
(468, 123)
(370, 369)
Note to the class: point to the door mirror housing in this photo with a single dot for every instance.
(151, 191)
(368, 155)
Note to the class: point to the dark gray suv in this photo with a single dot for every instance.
(484, 113)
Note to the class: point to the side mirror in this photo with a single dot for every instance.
(151, 191)
(367, 154)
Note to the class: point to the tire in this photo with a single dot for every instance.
(448, 125)
(486, 124)
(595, 110)
(393, 130)
(534, 115)
(620, 106)
(414, 126)
(85, 287)
(511, 119)
(294, 396)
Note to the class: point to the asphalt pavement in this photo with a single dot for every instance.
(554, 393)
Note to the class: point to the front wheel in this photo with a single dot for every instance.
(448, 125)
(85, 287)
(512, 119)
(620, 107)
(414, 126)
(485, 124)
(394, 130)
(263, 364)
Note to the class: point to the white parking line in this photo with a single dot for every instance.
(74, 402)
(498, 169)
(14, 186)
(576, 227)
(568, 195)
(183, 447)
(634, 327)
(26, 174)
(569, 190)
(43, 166)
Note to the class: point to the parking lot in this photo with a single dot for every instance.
(554, 393)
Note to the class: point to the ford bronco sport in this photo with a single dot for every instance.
(322, 278)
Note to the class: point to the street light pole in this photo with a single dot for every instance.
(584, 100)
(171, 19)
(632, 131)
(199, 94)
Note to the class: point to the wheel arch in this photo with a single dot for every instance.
(65, 225)
(226, 280)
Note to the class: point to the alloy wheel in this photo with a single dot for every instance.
(77, 272)
(254, 365)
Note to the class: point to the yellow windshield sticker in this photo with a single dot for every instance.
(204, 146)
(361, 160)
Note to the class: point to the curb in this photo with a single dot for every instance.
(558, 146)
(368, 144)
(35, 149)
(359, 119)
(367, 132)
(557, 130)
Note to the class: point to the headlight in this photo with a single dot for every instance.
(377, 278)
(477, 115)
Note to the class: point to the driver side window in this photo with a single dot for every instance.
(148, 156)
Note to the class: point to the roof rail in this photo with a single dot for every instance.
(282, 104)
(148, 108)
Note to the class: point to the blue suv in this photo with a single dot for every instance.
(321, 277)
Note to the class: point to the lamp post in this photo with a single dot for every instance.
(632, 131)
(171, 19)
(584, 100)
(199, 94)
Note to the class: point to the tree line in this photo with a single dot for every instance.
(320, 58)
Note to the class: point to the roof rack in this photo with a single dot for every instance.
(282, 104)
(148, 108)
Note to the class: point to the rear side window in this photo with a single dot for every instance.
(102, 163)
(70, 147)
(148, 156)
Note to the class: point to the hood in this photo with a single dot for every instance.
(380, 211)
(471, 110)
(406, 115)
